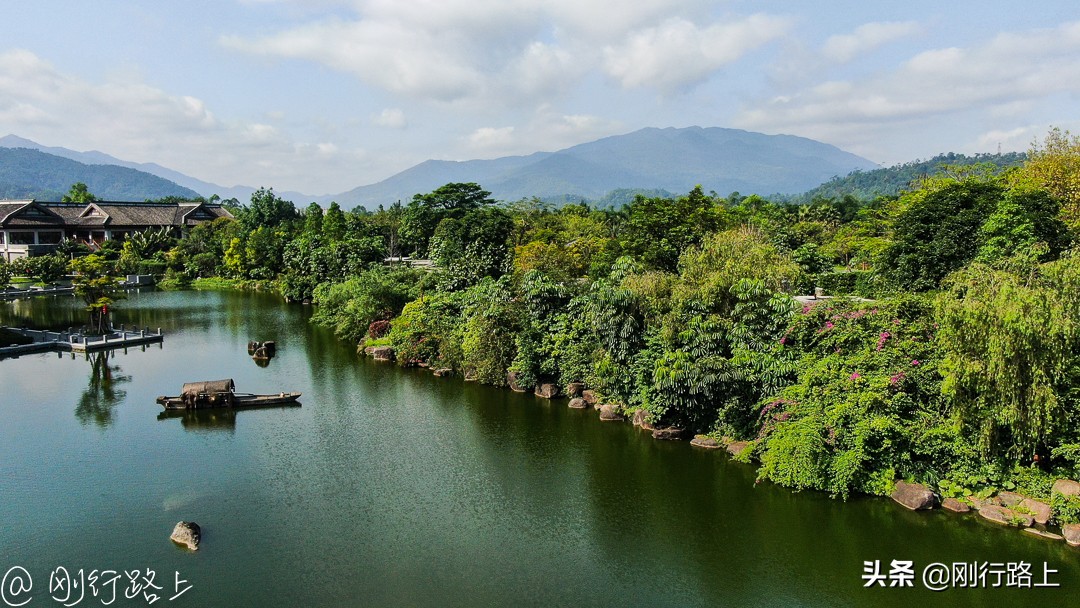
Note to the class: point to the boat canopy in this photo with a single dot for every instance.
(192, 390)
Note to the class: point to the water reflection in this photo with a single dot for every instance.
(103, 390)
(212, 419)
(205, 420)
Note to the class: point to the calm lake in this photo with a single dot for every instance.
(392, 487)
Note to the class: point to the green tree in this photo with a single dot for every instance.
(1053, 165)
(79, 193)
(97, 289)
(266, 210)
(334, 223)
(1010, 343)
(658, 230)
(455, 199)
(938, 233)
(313, 219)
(42, 269)
(1025, 222)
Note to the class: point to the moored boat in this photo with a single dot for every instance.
(221, 393)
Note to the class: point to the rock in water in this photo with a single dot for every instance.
(1038, 509)
(914, 496)
(383, 353)
(610, 411)
(736, 447)
(1071, 532)
(706, 442)
(187, 533)
(546, 390)
(954, 505)
(512, 382)
(670, 433)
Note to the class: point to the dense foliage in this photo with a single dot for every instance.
(956, 366)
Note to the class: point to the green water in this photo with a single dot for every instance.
(391, 487)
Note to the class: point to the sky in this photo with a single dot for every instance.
(320, 96)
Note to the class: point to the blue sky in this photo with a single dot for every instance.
(320, 96)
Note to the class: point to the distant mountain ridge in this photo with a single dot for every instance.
(672, 159)
(27, 173)
(651, 159)
(94, 157)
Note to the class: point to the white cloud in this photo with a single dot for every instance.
(499, 51)
(1000, 75)
(391, 118)
(137, 122)
(544, 130)
(1013, 139)
(486, 138)
(865, 38)
(679, 53)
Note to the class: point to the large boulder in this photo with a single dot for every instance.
(187, 533)
(1038, 509)
(736, 447)
(1071, 532)
(706, 442)
(1066, 487)
(1006, 516)
(547, 390)
(641, 420)
(955, 505)
(442, 371)
(1044, 534)
(574, 389)
(1009, 499)
(609, 412)
(512, 382)
(578, 403)
(383, 353)
(590, 396)
(669, 433)
(914, 496)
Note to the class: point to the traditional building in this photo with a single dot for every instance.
(28, 227)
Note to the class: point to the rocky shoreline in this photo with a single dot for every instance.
(1033, 516)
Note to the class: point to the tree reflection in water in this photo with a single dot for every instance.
(103, 390)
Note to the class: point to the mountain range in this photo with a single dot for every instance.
(669, 159)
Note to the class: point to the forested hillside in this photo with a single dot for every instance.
(890, 181)
(26, 173)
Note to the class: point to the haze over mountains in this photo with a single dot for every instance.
(721, 160)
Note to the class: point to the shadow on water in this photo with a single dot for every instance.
(103, 390)
(213, 419)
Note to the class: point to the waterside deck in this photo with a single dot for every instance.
(75, 342)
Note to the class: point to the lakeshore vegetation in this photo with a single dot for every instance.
(950, 354)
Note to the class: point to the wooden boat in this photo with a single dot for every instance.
(221, 393)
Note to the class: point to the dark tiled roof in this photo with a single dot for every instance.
(28, 214)
(110, 214)
(9, 207)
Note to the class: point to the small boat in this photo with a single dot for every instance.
(221, 393)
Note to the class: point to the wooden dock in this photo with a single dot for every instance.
(75, 342)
